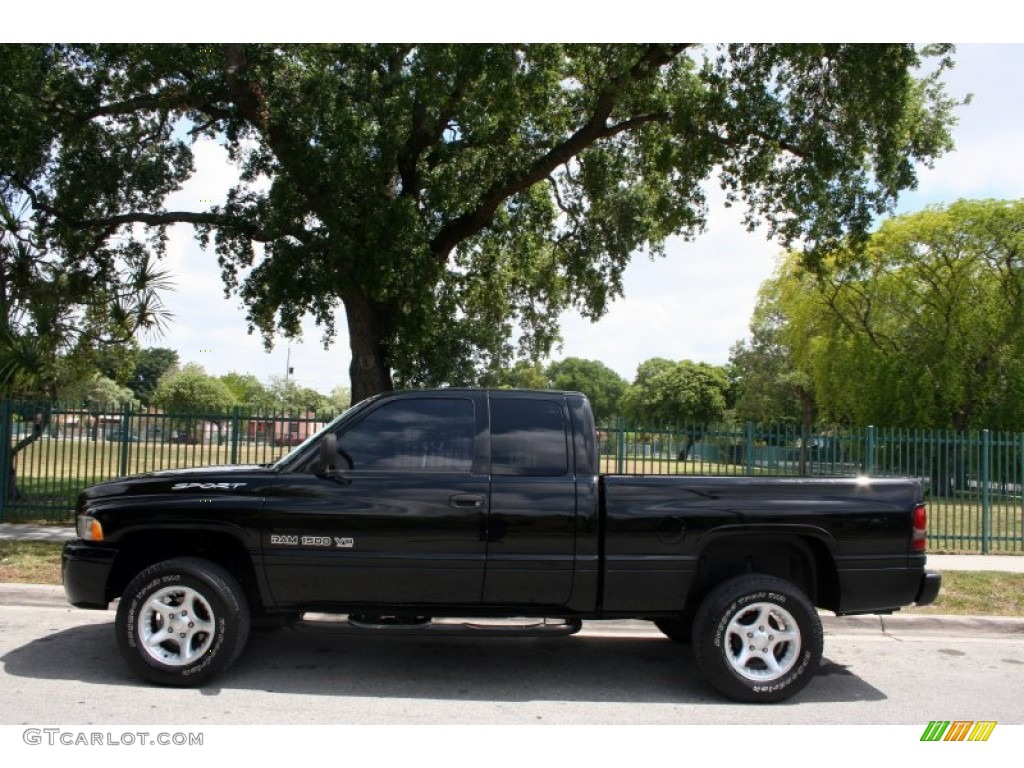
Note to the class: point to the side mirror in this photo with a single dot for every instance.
(328, 455)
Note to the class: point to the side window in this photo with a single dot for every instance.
(427, 434)
(528, 438)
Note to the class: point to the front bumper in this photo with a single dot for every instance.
(85, 569)
(929, 589)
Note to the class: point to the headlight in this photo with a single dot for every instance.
(89, 528)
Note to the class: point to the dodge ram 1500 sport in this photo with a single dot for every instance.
(417, 507)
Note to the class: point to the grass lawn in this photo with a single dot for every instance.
(30, 562)
(977, 593)
(964, 593)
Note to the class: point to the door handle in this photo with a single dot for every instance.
(466, 501)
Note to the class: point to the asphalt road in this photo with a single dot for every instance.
(61, 665)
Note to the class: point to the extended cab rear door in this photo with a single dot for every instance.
(531, 530)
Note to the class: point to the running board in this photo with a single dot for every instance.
(341, 624)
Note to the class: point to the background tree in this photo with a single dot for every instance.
(151, 364)
(694, 395)
(116, 363)
(290, 396)
(341, 398)
(59, 313)
(925, 327)
(446, 197)
(102, 392)
(249, 391)
(770, 389)
(523, 375)
(192, 390)
(602, 386)
(61, 316)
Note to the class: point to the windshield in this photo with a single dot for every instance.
(287, 462)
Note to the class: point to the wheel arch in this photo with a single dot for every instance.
(801, 555)
(141, 549)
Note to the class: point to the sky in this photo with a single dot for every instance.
(693, 304)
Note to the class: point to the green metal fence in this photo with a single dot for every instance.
(54, 451)
(973, 480)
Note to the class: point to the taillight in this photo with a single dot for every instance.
(920, 538)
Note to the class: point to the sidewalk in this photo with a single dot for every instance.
(27, 532)
(1006, 563)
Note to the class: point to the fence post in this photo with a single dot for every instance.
(620, 448)
(126, 434)
(5, 453)
(235, 424)
(986, 501)
(748, 448)
(869, 460)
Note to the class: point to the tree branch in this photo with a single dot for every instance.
(593, 130)
(422, 136)
(175, 97)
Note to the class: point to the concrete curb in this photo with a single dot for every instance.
(1007, 626)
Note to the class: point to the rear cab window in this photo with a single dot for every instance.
(528, 438)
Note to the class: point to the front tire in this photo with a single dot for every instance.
(757, 639)
(182, 621)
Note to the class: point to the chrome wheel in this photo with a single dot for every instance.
(176, 626)
(757, 638)
(762, 642)
(182, 621)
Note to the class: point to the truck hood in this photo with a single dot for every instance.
(191, 481)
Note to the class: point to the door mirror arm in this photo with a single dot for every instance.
(326, 464)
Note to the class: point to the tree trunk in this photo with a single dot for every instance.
(39, 423)
(370, 371)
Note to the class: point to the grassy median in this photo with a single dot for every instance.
(964, 593)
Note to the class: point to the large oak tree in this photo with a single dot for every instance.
(440, 200)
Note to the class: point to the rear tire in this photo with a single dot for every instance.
(757, 638)
(182, 621)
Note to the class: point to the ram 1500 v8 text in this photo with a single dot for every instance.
(417, 507)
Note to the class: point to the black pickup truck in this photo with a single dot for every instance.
(417, 507)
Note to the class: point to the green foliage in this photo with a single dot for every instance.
(288, 396)
(523, 375)
(192, 390)
(769, 388)
(602, 386)
(924, 327)
(64, 316)
(117, 362)
(249, 391)
(451, 197)
(151, 364)
(340, 398)
(101, 391)
(664, 392)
